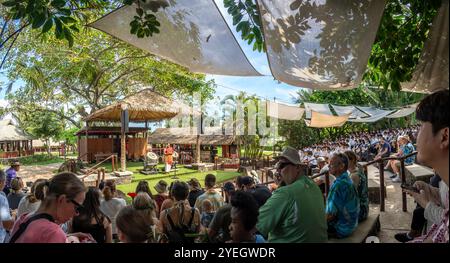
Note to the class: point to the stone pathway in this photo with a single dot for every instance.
(31, 173)
(393, 220)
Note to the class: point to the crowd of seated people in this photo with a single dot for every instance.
(63, 210)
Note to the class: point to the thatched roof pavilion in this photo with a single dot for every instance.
(145, 105)
(13, 141)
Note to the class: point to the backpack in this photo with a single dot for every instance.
(184, 234)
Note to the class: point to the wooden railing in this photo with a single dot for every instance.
(381, 170)
(102, 171)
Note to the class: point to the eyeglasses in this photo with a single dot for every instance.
(281, 166)
(78, 207)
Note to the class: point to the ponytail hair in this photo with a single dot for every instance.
(109, 190)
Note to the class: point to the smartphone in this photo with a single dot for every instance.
(410, 187)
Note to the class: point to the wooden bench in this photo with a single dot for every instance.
(417, 172)
(369, 227)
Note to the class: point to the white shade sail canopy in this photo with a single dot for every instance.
(352, 110)
(320, 44)
(375, 114)
(431, 73)
(317, 107)
(283, 111)
(194, 35)
(403, 112)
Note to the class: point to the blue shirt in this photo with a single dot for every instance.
(385, 146)
(407, 149)
(10, 175)
(343, 203)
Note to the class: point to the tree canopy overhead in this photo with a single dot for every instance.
(97, 71)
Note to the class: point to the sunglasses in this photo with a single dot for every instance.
(281, 166)
(78, 207)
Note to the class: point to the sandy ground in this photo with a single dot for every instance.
(33, 172)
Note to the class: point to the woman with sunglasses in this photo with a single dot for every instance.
(64, 195)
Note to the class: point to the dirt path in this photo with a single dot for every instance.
(31, 173)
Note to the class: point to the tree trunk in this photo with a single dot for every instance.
(47, 142)
(197, 149)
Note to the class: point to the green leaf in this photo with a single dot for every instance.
(38, 20)
(47, 26)
(74, 28)
(58, 3)
(237, 18)
(58, 28)
(67, 20)
(68, 35)
(9, 3)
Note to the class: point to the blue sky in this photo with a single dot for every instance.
(265, 86)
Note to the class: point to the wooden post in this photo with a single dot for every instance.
(402, 172)
(86, 143)
(327, 184)
(382, 192)
(123, 156)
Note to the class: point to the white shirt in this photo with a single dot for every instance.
(111, 208)
(26, 207)
(5, 215)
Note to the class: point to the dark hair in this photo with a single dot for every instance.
(247, 207)
(133, 225)
(343, 158)
(433, 109)
(65, 183)
(144, 187)
(91, 209)
(210, 180)
(351, 156)
(180, 190)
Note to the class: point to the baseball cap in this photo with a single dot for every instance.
(291, 154)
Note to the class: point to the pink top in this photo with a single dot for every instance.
(39, 231)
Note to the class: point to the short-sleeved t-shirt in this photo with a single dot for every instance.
(386, 146)
(39, 231)
(294, 213)
(343, 202)
(213, 196)
(4, 215)
(111, 208)
(407, 149)
(14, 199)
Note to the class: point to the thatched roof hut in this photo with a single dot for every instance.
(185, 136)
(10, 132)
(13, 141)
(145, 105)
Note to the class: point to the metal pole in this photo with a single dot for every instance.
(402, 172)
(382, 192)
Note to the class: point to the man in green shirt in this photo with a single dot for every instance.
(295, 213)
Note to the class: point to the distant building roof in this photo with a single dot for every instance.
(10, 132)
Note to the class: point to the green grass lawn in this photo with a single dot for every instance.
(183, 174)
(41, 159)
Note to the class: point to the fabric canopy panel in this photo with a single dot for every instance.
(319, 120)
(320, 108)
(352, 110)
(431, 73)
(320, 44)
(193, 34)
(374, 113)
(403, 112)
(283, 111)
